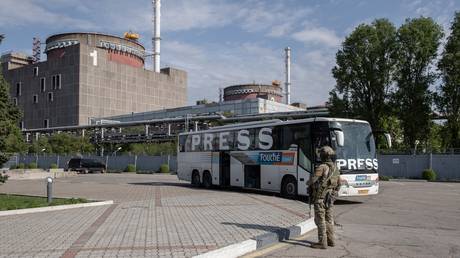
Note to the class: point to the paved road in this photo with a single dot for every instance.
(407, 219)
(153, 215)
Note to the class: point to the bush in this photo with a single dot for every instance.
(32, 165)
(13, 166)
(385, 178)
(54, 165)
(130, 168)
(21, 166)
(429, 174)
(164, 168)
(3, 178)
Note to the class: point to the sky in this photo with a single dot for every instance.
(224, 42)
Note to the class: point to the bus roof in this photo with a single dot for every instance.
(274, 122)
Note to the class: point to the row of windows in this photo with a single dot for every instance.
(35, 98)
(55, 84)
(282, 137)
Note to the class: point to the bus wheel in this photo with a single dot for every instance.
(289, 187)
(207, 179)
(196, 178)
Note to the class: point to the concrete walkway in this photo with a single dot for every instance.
(153, 215)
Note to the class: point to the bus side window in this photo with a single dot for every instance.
(182, 140)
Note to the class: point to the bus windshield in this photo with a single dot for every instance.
(358, 152)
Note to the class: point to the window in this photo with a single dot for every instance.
(50, 97)
(56, 81)
(46, 123)
(19, 89)
(53, 82)
(36, 71)
(35, 98)
(43, 84)
(15, 101)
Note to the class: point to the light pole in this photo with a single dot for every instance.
(115, 152)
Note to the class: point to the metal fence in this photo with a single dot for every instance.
(114, 163)
(447, 167)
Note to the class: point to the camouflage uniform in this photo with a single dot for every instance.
(324, 186)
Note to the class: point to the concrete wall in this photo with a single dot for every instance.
(63, 110)
(411, 166)
(117, 163)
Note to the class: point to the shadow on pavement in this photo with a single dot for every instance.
(346, 202)
(271, 229)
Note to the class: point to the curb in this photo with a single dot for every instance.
(261, 241)
(54, 208)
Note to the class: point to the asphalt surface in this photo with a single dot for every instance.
(406, 219)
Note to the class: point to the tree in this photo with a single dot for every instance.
(448, 97)
(418, 41)
(10, 115)
(363, 73)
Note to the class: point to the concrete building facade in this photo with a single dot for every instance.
(88, 75)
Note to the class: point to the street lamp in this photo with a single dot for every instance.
(115, 152)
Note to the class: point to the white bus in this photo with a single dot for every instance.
(279, 156)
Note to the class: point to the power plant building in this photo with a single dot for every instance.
(89, 75)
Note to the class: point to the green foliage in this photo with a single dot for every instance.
(153, 149)
(385, 178)
(418, 41)
(392, 125)
(54, 166)
(10, 135)
(363, 73)
(130, 168)
(62, 143)
(164, 168)
(14, 202)
(13, 166)
(448, 99)
(21, 166)
(3, 178)
(32, 165)
(429, 174)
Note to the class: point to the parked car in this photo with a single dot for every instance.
(85, 165)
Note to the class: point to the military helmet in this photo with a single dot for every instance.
(326, 153)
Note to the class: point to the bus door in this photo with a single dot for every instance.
(224, 171)
(252, 176)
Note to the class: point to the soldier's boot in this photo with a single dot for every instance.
(322, 243)
(330, 239)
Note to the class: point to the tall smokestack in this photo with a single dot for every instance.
(287, 89)
(156, 35)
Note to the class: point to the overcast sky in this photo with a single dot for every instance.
(223, 42)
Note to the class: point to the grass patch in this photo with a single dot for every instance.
(15, 202)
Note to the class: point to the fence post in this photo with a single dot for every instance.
(135, 161)
(57, 160)
(107, 162)
(431, 160)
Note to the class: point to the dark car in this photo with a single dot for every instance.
(84, 165)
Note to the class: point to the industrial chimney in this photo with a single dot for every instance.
(156, 35)
(287, 89)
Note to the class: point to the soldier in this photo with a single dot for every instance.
(323, 187)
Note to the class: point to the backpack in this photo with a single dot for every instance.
(330, 183)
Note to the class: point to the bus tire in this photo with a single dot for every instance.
(207, 179)
(196, 178)
(289, 187)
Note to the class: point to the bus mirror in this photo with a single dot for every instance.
(388, 139)
(340, 138)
